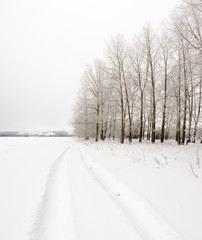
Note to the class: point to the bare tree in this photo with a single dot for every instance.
(188, 22)
(94, 80)
(184, 61)
(197, 104)
(81, 115)
(140, 76)
(167, 68)
(117, 54)
(150, 86)
(151, 53)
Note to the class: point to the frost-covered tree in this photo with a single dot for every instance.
(151, 85)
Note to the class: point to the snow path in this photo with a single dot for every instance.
(97, 215)
(148, 223)
(55, 217)
(84, 201)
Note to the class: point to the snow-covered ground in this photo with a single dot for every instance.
(24, 166)
(65, 188)
(162, 175)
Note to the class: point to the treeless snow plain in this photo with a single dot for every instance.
(65, 188)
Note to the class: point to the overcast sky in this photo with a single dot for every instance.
(45, 45)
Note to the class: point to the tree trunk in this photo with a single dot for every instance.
(86, 125)
(190, 116)
(199, 109)
(154, 108)
(102, 123)
(122, 115)
(144, 123)
(191, 99)
(128, 105)
(114, 127)
(185, 98)
(97, 123)
(149, 126)
(178, 97)
(164, 104)
(141, 117)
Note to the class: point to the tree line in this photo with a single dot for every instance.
(148, 87)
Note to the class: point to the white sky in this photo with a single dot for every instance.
(45, 45)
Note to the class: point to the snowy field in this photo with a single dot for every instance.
(65, 188)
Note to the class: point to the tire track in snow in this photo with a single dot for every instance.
(148, 223)
(55, 218)
(97, 216)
